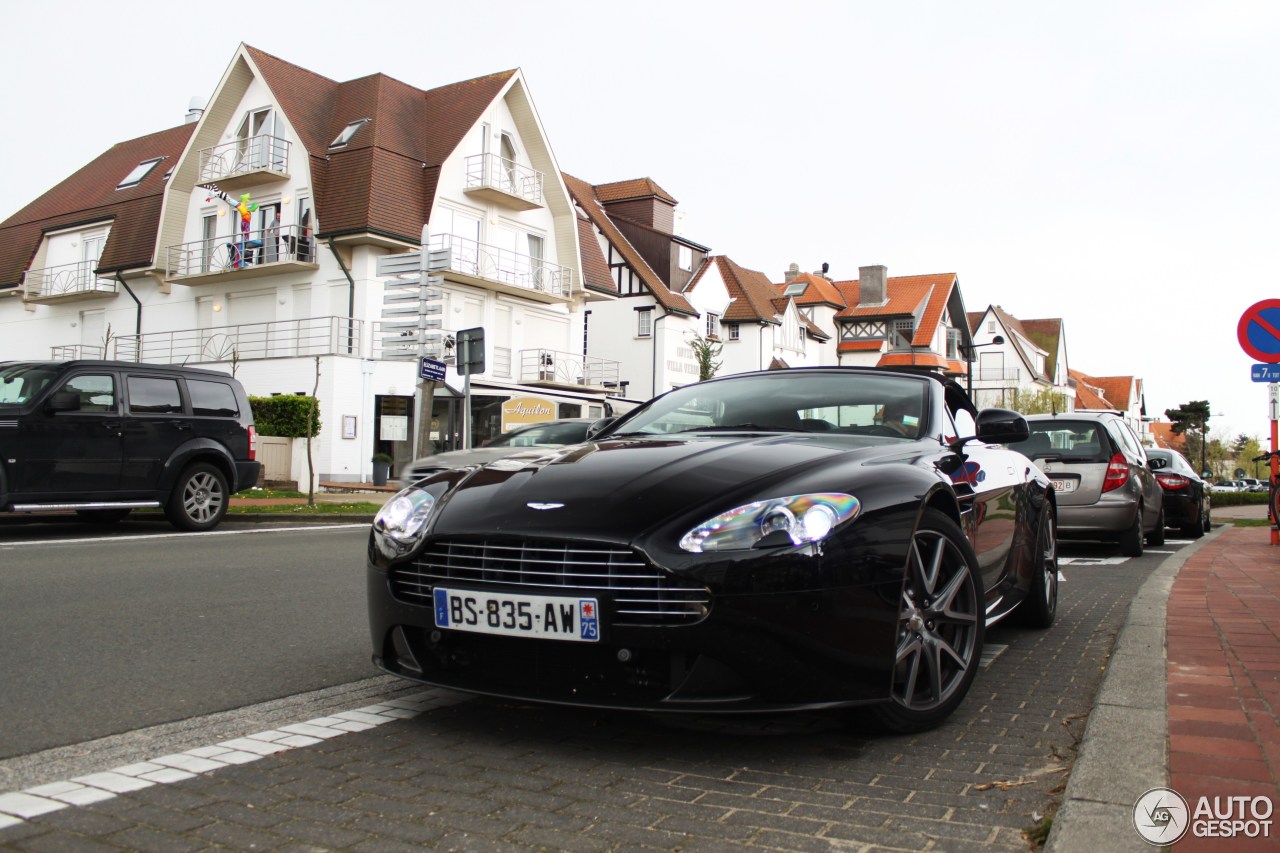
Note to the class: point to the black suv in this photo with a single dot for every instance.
(106, 437)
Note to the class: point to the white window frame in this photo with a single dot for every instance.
(713, 325)
(644, 324)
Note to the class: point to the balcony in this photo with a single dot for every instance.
(503, 182)
(554, 369)
(997, 374)
(245, 162)
(221, 259)
(73, 352)
(67, 283)
(278, 339)
(503, 270)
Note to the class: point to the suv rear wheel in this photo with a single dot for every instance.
(199, 499)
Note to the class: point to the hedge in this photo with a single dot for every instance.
(1237, 498)
(285, 415)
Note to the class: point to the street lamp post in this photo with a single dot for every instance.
(968, 357)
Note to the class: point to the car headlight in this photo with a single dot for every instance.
(803, 518)
(399, 526)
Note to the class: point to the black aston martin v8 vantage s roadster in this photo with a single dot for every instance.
(792, 539)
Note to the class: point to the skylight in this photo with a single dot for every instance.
(139, 172)
(348, 132)
(796, 289)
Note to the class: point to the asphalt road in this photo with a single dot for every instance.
(105, 631)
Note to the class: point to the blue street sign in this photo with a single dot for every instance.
(431, 369)
(1265, 373)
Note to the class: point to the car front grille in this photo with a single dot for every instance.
(640, 593)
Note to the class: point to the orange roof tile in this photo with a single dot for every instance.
(860, 346)
(912, 359)
(817, 291)
(632, 189)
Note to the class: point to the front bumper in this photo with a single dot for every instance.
(751, 652)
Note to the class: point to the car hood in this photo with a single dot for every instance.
(464, 458)
(619, 488)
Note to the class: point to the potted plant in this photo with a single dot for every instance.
(381, 468)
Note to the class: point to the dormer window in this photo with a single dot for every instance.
(795, 289)
(139, 172)
(341, 140)
(684, 255)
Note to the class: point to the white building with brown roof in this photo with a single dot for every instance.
(1030, 358)
(148, 254)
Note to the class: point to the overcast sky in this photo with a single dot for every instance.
(1110, 163)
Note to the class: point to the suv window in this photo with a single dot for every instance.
(97, 393)
(154, 396)
(212, 399)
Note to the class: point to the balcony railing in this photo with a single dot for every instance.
(277, 339)
(551, 367)
(71, 352)
(515, 185)
(242, 157)
(68, 281)
(234, 253)
(996, 374)
(503, 266)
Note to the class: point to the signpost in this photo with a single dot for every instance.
(413, 305)
(470, 350)
(1259, 334)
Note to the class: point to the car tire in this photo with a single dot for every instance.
(940, 628)
(1041, 605)
(1131, 539)
(1197, 528)
(199, 498)
(103, 516)
(1156, 537)
(1208, 521)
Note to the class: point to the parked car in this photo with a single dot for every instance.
(542, 435)
(1186, 495)
(764, 541)
(1100, 476)
(1226, 486)
(1252, 484)
(104, 438)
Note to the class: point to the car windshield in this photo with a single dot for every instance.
(789, 401)
(542, 434)
(1069, 441)
(21, 382)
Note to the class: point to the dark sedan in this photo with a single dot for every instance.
(805, 538)
(1186, 495)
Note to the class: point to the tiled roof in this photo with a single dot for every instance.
(384, 180)
(817, 291)
(974, 318)
(860, 346)
(1018, 335)
(750, 291)
(1089, 394)
(905, 294)
(632, 189)
(1117, 389)
(595, 269)
(585, 196)
(89, 195)
(1046, 334)
(1164, 436)
(913, 359)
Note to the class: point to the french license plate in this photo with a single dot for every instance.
(1063, 486)
(549, 616)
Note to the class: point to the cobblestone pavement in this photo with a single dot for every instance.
(477, 774)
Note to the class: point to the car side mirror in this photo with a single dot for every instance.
(598, 427)
(997, 426)
(1002, 426)
(63, 401)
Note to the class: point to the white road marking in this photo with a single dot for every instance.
(18, 806)
(1092, 561)
(255, 531)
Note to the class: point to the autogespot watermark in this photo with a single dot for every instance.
(1163, 816)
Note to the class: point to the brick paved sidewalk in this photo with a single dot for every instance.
(1224, 679)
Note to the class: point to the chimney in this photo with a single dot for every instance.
(195, 109)
(792, 273)
(872, 285)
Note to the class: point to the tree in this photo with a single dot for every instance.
(1045, 401)
(706, 351)
(1192, 420)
